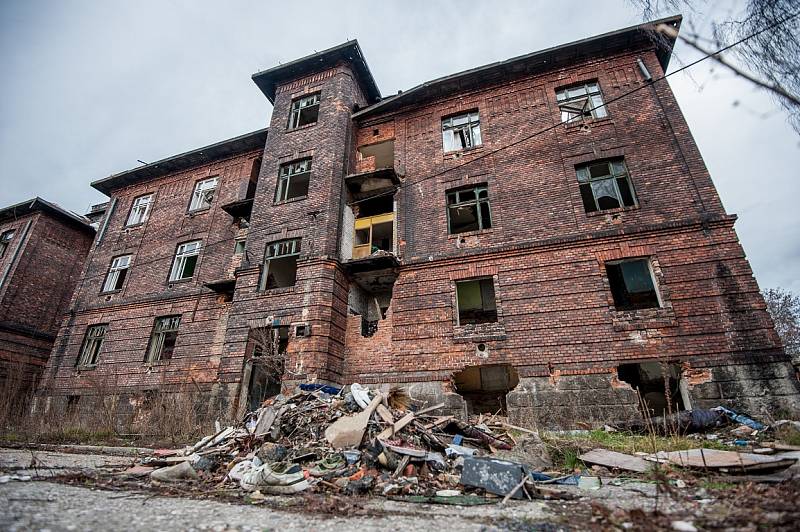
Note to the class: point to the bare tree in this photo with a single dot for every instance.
(770, 59)
(784, 307)
(267, 352)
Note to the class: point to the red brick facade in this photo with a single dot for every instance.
(556, 321)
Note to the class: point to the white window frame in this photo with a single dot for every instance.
(577, 101)
(5, 240)
(184, 251)
(92, 344)
(466, 126)
(118, 264)
(140, 210)
(203, 194)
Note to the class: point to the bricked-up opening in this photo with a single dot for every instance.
(657, 383)
(632, 284)
(266, 363)
(280, 264)
(304, 111)
(476, 301)
(484, 388)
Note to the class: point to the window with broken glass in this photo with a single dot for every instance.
(476, 301)
(117, 272)
(280, 264)
(163, 338)
(185, 261)
(139, 210)
(580, 102)
(468, 210)
(92, 342)
(632, 285)
(461, 131)
(293, 180)
(203, 194)
(5, 240)
(304, 111)
(605, 185)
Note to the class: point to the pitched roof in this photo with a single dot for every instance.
(350, 51)
(534, 62)
(206, 154)
(37, 204)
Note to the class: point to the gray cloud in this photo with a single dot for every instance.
(89, 87)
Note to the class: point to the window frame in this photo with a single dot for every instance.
(114, 271)
(294, 112)
(478, 280)
(198, 194)
(284, 181)
(152, 357)
(653, 281)
(272, 252)
(589, 95)
(477, 201)
(614, 176)
(134, 205)
(181, 256)
(237, 243)
(448, 127)
(97, 343)
(6, 237)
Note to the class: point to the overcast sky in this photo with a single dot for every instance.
(91, 86)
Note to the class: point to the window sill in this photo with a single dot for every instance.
(479, 232)
(455, 154)
(180, 281)
(479, 332)
(277, 291)
(156, 363)
(86, 367)
(195, 212)
(135, 226)
(290, 200)
(300, 128)
(571, 126)
(111, 292)
(628, 320)
(618, 210)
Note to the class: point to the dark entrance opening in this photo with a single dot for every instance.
(484, 388)
(266, 364)
(657, 383)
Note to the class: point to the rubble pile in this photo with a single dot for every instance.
(360, 441)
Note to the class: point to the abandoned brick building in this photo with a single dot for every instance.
(538, 236)
(42, 250)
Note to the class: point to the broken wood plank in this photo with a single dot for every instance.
(729, 461)
(521, 429)
(394, 429)
(385, 414)
(348, 431)
(429, 409)
(615, 460)
(439, 421)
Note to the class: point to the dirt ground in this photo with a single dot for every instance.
(71, 492)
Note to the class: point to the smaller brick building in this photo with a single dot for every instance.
(42, 249)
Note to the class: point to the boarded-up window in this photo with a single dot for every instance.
(476, 301)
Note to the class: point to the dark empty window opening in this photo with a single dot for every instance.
(293, 180)
(468, 210)
(461, 132)
(476, 301)
(658, 385)
(605, 185)
(255, 170)
(632, 285)
(370, 297)
(163, 339)
(5, 240)
(305, 111)
(484, 388)
(72, 404)
(280, 264)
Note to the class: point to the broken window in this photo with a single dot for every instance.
(476, 302)
(139, 210)
(203, 194)
(5, 241)
(185, 261)
(581, 101)
(92, 342)
(605, 185)
(657, 383)
(468, 210)
(632, 284)
(163, 338)
(461, 131)
(239, 247)
(280, 264)
(117, 273)
(293, 180)
(305, 111)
